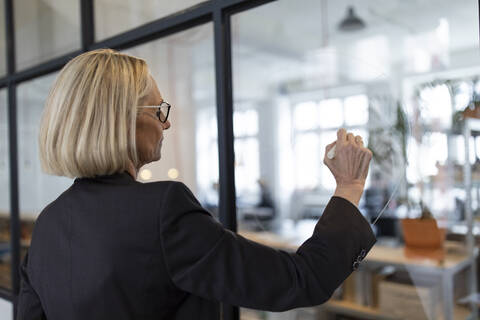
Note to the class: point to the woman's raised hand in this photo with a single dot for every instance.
(350, 164)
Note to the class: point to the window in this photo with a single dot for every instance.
(247, 162)
(315, 126)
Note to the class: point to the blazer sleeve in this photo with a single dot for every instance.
(207, 260)
(28, 303)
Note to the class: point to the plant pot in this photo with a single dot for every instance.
(423, 239)
(422, 233)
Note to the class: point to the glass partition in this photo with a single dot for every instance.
(45, 29)
(5, 249)
(402, 81)
(113, 17)
(3, 49)
(36, 188)
(183, 68)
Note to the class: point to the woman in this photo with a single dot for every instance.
(110, 247)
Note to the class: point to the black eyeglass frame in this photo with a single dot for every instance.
(159, 111)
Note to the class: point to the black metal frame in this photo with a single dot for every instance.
(217, 11)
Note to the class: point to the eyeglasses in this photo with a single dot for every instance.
(162, 112)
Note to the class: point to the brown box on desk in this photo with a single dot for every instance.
(408, 301)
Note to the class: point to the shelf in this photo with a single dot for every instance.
(458, 185)
(355, 310)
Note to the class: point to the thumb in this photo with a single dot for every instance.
(330, 146)
(327, 149)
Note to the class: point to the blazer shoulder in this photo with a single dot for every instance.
(171, 189)
(165, 186)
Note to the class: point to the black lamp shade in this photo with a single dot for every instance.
(351, 22)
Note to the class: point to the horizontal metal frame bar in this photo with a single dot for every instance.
(39, 70)
(183, 20)
(160, 28)
(236, 6)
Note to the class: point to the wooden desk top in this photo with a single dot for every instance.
(455, 252)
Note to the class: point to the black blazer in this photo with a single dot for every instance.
(114, 248)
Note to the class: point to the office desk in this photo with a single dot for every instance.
(455, 260)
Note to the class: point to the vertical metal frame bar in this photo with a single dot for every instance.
(223, 78)
(87, 21)
(13, 159)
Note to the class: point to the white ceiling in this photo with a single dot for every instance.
(279, 41)
(306, 19)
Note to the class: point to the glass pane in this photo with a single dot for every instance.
(183, 68)
(45, 29)
(436, 106)
(113, 17)
(307, 157)
(306, 115)
(406, 90)
(245, 123)
(5, 258)
(3, 49)
(36, 188)
(326, 137)
(246, 169)
(331, 113)
(356, 110)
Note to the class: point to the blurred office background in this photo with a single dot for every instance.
(403, 74)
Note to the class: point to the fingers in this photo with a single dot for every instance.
(351, 159)
(342, 135)
(351, 138)
(359, 141)
(365, 162)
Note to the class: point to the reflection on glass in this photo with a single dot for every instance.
(36, 188)
(183, 68)
(5, 262)
(113, 17)
(406, 92)
(45, 29)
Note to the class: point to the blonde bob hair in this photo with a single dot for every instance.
(88, 123)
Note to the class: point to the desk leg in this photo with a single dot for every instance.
(447, 289)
